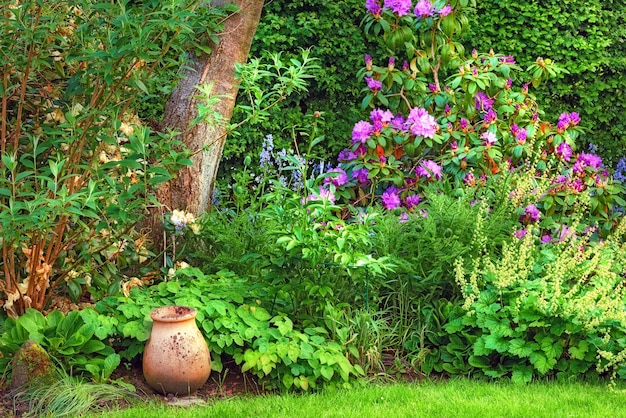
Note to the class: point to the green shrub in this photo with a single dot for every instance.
(78, 341)
(332, 32)
(78, 167)
(234, 323)
(545, 309)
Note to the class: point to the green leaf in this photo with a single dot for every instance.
(92, 346)
(522, 348)
(288, 380)
(553, 349)
(110, 364)
(579, 351)
(497, 343)
(541, 362)
(481, 362)
(327, 372)
(522, 374)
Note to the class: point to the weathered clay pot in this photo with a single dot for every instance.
(176, 358)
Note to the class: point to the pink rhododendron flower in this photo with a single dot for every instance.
(445, 10)
(339, 180)
(421, 123)
(373, 84)
(373, 6)
(424, 8)
(361, 132)
(429, 169)
(390, 198)
(564, 151)
(361, 175)
(489, 138)
(399, 7)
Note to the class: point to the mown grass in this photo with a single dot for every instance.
(455, 398)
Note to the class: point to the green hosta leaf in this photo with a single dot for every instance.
(522, 348)
(92, 346)
(481, 362)
(110, 364)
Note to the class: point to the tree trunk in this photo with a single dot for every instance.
(192, 190)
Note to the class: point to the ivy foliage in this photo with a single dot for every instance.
(587, 38)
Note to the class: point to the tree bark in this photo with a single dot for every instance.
(192, 190)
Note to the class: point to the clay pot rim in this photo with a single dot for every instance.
(174, 313)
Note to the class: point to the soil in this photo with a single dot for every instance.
(230, 382)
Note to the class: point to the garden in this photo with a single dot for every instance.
(407, 207)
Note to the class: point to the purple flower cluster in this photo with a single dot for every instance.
(361, 132)
(346, 155)
(489, 138)
(470, 179)
(361, 175)
(267, 152)
(338, 180)
(490, 117)
(564, 151)
(399, 7)
(421, 123)
(519, 134)
(390, 198)
(324, 194)
(429, 169)
(483, 102)
(445, 10)
(374, 85)
(424, 8)
(567, 120)
(586, 160)
(412, 201)
(620, 170)
(531, 214)
(562, 183)
(373, 6)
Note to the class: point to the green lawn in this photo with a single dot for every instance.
(457, 398)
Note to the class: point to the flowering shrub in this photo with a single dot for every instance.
(441, 116)
(540, 310)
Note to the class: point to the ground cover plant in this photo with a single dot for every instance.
(459, 233)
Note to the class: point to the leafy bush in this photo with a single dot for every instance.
(332, 33)
(78, 167)
(234, 324)
(544, 309)
(78, 341)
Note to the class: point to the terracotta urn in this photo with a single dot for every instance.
(176, 359)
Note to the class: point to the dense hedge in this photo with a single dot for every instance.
(588, 38)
